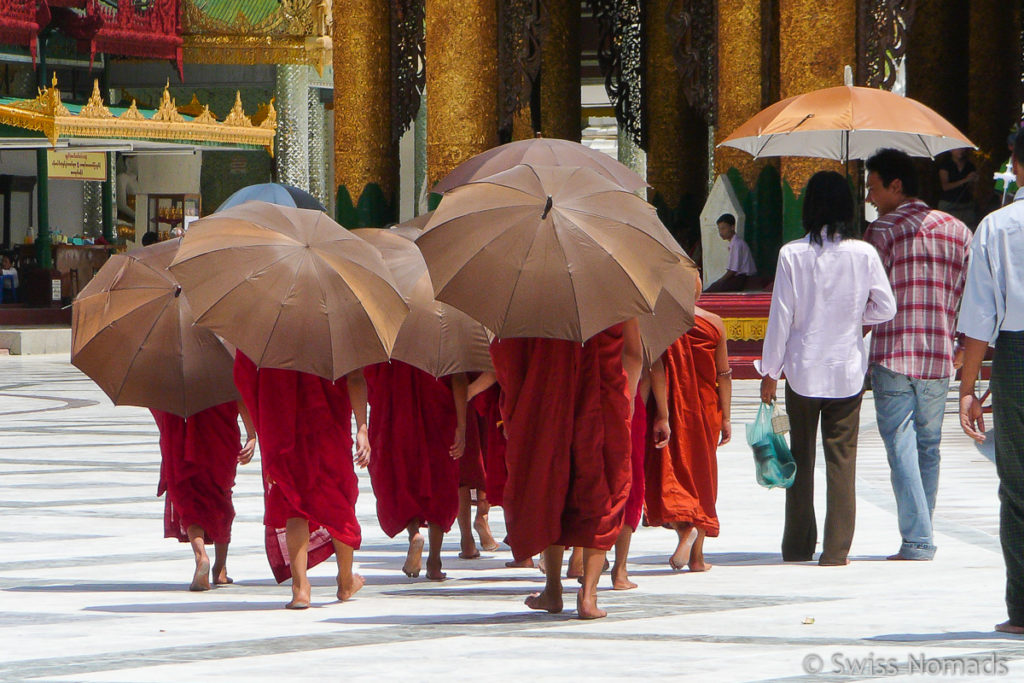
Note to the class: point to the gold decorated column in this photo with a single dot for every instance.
(462, 82)
(814, 46)
(365, 159)
(676, 133)
(739, 81)
(560, 106)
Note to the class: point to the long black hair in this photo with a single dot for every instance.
(828, 203)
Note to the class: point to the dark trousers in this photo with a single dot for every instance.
(840, 424)
(1008, 413)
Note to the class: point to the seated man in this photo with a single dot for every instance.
(741, 263)
(9, 281)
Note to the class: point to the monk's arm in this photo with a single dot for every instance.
(632, 357)
(659, 387)
(357, 397)
(724, 378)
(481, 384)
(460, 388)
(245, 455)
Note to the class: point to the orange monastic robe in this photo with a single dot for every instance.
(682, 479)
(566, 409)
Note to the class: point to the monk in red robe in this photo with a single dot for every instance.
(304, 425)
(418, 433)
(473, 477)
(566, 412)
(682, 480)
(199, 455)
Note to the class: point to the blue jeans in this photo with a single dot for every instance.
(910, 413)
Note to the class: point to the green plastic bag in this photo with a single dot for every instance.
(773, 461)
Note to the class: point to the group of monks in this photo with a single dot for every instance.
(576, 442)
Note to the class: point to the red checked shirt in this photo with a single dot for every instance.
(924, 251)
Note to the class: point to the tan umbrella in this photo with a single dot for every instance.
(134, 335)
(846, 122)
(290, 288)
(416, 222)
(435, 337)
(547, 251)
(540, 152)
(673, 312)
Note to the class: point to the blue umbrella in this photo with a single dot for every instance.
(274, 193)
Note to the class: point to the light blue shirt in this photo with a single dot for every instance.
(994, 297)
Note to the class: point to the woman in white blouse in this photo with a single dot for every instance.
(828, 285)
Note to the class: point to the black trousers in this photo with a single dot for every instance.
(840, 425)
(1008, 413)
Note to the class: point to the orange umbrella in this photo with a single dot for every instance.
(547, 251)
(290, 288)
(435, 337)
(540, 152)
(134, 335)
(673, 312)
(846, 122)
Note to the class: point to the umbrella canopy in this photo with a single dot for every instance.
(846, 122)
(435, 337)
(416, 222)
(134, 335)
(290, 288)
(547, 251)
(275, 193)
(673, 311)
(540, 152)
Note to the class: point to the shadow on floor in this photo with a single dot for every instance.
(125, 587)
(954, 636)
(191, 607)
(526, 617)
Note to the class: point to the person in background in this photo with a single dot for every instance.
(10, 277)
(957, 177)
(827, 286)
(150, 238)
(741, 263)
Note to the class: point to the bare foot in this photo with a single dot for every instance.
(620, 580)
(414, 559)
(575, 569)
(300, 596)
(543, 601)
(1007, 627)
(833, 563)
(697, 563)
(434, 572)
(469, 551)
(201, 579)
(699, 566)
(346, 589)
(682, 554)
(483, 530)
(520, 564)
(586, 606)
(220, 575)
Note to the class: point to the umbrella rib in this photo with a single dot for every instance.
(280, 310)
(228, 292)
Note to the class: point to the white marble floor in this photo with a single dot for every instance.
(89, 591)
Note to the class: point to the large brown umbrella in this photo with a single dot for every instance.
(290, 288)
(540, 152)
(435, 337)
(673, 312)
(134, 334)
(846, 122)
(547, 251)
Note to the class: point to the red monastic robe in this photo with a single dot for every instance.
(566, 410)
(199, 456)
(412, 427)
(637, 452)
(492, 439)
(682, 479)
(304, 425)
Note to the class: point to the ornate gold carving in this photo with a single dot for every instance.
(132, 113)
(167, 111)
(237, 117)
(739, 37)
(265, 116)
(560, 115)
(745, 329)
(94, 108)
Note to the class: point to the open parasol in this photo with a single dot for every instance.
(673, 312)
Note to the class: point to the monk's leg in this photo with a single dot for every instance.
(201, 578)
(687, 537)
(297, 539)
(697, 563)
(469, 551)
(482, 524)
(435, 534)
(550, 599)
(586, 598)
(349, 583)
(620, 575)
(414, 558)
(575, 569)
(220, 565)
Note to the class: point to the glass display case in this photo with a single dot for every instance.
(170, 211)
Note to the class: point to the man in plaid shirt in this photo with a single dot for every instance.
(924, 251)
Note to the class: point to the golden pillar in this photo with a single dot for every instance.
(739, 81)
(462, 82)
(560, 106)
(676, 133)
(814, 46)
(365, 158)
(992, 86)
